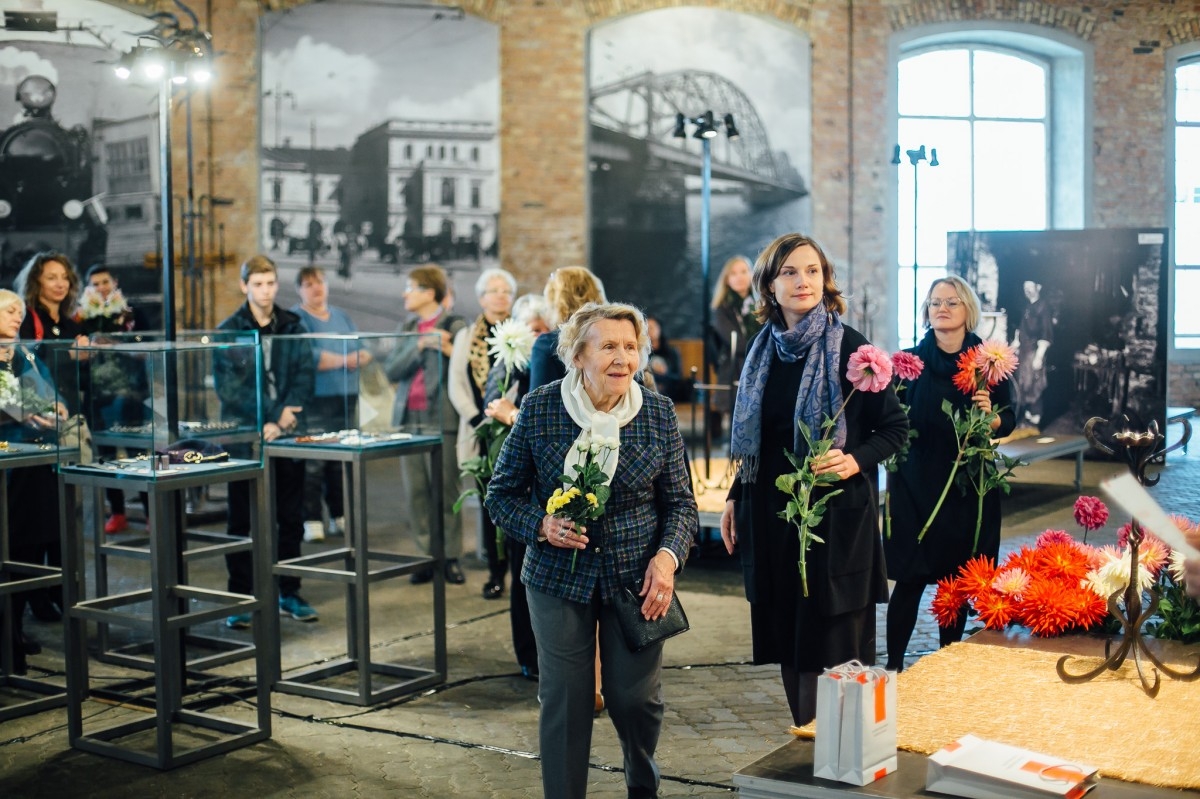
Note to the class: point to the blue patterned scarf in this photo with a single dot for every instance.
(819, 337)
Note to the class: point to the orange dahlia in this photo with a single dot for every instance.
(1046, 608)
(995, 609)
(967, 379)
(947, 601)
(976, 575)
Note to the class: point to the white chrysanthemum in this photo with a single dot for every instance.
(1176, 565)
(1113, 575)
(511, 342)
(597, 445)
(10, 389)
(612, 443)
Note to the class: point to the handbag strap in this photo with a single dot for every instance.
(39, 332)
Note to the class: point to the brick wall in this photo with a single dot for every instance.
(543, 116)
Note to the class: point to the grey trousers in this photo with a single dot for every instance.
(566, 636)
(416, 484)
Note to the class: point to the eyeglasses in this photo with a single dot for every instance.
(411, 287)
(952, 305)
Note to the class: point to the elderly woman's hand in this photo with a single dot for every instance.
(563, 533)
(728, 528)
(502, 410)
(658, 585)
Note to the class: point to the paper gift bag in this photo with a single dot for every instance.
(982, 769)
(829, 718)
(868, 742)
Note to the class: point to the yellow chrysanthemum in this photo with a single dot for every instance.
(591, 498)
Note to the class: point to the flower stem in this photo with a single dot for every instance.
(978, 517)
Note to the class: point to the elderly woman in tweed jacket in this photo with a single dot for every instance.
(572, 573)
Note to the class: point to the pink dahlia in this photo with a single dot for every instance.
(1090, 513)
(1053, 537)
(996, 361)
(870, 369)
(907, 365)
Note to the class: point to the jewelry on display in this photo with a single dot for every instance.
(3, 445)
(659, 597)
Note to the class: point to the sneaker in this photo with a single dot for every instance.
(239, 622)
(337, 526)
(314, 531)
(117, 523)
(292, 605)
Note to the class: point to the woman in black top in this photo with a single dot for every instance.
(734, 323)
(795, 372)
(950, 313)
(49, 286)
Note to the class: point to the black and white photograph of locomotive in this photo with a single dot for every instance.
(78, 148)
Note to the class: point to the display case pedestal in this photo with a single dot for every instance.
(174, 606)
(16, 577)
(352, 566)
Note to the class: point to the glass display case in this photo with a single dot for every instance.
(155, 407)
(361, 389)
(30, 408)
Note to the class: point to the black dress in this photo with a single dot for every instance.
(915, 487)
(836, 621)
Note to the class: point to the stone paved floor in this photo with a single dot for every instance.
(476, 734)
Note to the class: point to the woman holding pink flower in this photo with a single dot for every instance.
(951, 313)
(798, 374)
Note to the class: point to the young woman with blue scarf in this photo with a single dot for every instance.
(795, 371)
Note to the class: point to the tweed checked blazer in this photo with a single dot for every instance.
(652, 505)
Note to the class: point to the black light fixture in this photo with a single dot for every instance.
(706, 127)
(731, 131)
(680, 131)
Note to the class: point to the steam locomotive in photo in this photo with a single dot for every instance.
(46, 198)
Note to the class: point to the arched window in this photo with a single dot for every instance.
(1186, 218)
(999, 107)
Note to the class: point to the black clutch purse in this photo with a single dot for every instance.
(638, 631)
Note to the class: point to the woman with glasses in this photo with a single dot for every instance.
(470, 363)
(951, 314)
(418, 367)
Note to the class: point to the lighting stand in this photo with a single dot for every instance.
(915, 157)
(706, 131)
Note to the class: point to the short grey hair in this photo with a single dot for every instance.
(529, 307)
(486, 276)
(572, 336)
(965, 293)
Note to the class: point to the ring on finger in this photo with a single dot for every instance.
(659, 597)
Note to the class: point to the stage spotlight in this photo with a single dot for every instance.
(705, 126)
(679, 132)
(731, 131)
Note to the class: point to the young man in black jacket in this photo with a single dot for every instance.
(287, 384)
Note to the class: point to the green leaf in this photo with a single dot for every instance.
(786, 482)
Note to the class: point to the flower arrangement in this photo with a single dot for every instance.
(907, 368)
(1062, 585)
(10, 389)
(980, 368)
(98, 313)
(511, 343)
(869, 370)
(585, 493)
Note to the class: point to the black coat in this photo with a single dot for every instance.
(846, 573)
(291, 369)
(918, 483)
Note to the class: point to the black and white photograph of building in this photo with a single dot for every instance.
(646, 203)
(379, 134)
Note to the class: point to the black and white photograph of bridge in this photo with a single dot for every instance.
(645, 183)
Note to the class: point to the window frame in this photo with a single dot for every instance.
(1181, 55)
(1069, 132)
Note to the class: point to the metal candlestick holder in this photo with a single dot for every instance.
(1139, 450)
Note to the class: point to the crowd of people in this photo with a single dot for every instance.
(596, 391)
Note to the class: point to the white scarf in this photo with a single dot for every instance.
(596, 423)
